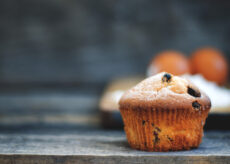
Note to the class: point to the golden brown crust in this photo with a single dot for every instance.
(144, 95)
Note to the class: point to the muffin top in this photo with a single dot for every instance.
(165, 91)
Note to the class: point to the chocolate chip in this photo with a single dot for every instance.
(155, 133)
(196, 105)
(166, 78)
(143, 122)
(156, 139)
(152, 124)
(193, 92)
(158, 129)
(170, 139)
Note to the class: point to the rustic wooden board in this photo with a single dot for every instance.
(33, 107)
(98, 146)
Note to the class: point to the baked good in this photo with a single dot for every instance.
(164, 113)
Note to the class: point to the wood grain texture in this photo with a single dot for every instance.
(33, 107)
(98, 146)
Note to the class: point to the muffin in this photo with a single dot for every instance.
(164, 113)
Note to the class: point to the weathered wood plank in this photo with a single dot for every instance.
(69, 159)
(97, 146)
(60, 107)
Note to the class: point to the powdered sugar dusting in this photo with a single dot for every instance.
(220, 96)
(153, 88)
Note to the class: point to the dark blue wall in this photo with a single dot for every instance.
(88, 41)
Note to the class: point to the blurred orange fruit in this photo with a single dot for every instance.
(211, 63)
(169, 61)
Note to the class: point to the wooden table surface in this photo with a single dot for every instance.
(64, 127)
(90, 145)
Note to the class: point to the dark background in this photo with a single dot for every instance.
(57, 55)
(83, 41)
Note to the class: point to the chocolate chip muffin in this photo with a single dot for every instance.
(164, 113)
